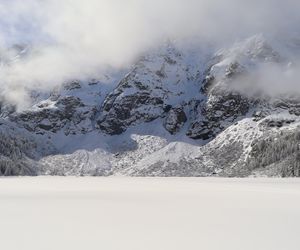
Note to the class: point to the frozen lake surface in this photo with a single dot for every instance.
(46, 213)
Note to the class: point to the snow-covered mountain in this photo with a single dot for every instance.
(176, 112)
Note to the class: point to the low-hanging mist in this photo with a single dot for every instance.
(68, 39)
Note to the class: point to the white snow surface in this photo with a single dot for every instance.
(149, 213)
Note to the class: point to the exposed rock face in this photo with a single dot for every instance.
(148, 91)
(276, 123)
(68, 112)
(72, 85)
(175, 120)
(223, 85)
(70, 109)
(120, 111)
(290, 104)
(218, 111)
(203, 130)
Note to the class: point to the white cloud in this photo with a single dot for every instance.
(77, 37)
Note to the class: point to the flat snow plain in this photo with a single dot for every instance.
(51, 213)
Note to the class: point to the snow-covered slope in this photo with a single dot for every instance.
(176, 112)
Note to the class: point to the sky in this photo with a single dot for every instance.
(76, 38)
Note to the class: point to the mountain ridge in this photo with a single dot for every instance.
(176, 112)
